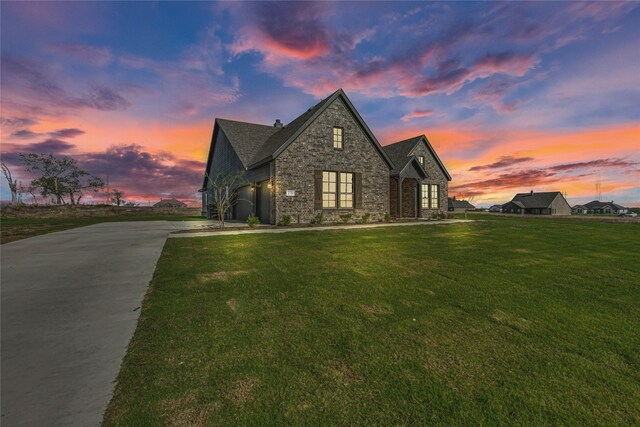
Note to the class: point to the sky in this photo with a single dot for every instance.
(514, 96)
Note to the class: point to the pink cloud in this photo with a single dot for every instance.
(416, 114)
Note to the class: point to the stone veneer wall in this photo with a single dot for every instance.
(434, 176)
(313, 150)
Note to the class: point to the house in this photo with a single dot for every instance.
(579, 209)
(418, 181)
(326, 161)
(597, 207)
(456, 205)
(170, 203)
(546, 203)
(495, 208)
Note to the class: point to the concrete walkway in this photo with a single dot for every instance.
(70, 303)
(324, 228)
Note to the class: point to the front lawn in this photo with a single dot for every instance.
(12, 229)
(510, 321)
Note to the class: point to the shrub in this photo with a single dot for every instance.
(441, 215)
(286, 220)
(365, 218)
(253, 220)
(450, 215)
(346, 218)
(318, 219)
(387, 217)
(434, 215)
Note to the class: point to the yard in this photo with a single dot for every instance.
(503, 321)
(17, 224)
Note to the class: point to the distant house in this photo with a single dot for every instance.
(456, 205)
(170, 203)
(579, 209)
(546, 203)
(495, 208)
(597, 207)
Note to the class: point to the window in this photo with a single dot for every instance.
(425, 196)
(421, 160)
(346, 190)
(329, 189)
(434, 196)
(337, 138)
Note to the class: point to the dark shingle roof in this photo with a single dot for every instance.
(460, 204)
(596, 204)
(246, 138)
(256, 143)
(399, 152)
(536, 200)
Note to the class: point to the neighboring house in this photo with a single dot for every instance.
(325, 161)
(495, 208)
(579, 209)
(456, 205)
(170, 203)
(597, 207)
(418, 182)
(546, 203)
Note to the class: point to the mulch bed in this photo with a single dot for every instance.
(214, 228)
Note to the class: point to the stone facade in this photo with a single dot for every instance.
(434, 176)
(313, 150)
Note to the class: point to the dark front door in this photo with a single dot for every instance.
(263, 202)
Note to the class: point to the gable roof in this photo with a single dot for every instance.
(246, 138)
(533, 200)
(596, 204)
(460, 204)
(279, 141)
(400, 154)
(256, 144)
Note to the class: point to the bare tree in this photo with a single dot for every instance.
(60, 177)
(117, 197)
(221, 193)
(13, 183)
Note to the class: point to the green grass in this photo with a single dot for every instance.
(12, 229)
(506, 322)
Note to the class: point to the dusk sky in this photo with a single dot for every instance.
(513, 96)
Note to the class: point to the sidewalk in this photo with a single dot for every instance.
(290, 229)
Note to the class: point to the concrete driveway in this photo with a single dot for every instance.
(70, 303)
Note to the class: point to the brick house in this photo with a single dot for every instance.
(327, 161)
(418, 182)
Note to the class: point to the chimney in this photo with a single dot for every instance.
(531, 193)
(277, 124)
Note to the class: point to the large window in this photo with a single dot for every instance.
(434, 196)
(425, 196)
(337, 137)
(346, 190)
(329, 189)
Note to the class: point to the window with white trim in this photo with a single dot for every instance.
(337, 138)
(434, 196)
(346, 190)
(421, 160)
(329, 189)
(425, 196)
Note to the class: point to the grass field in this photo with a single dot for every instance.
(498, 322)
(12, 229)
